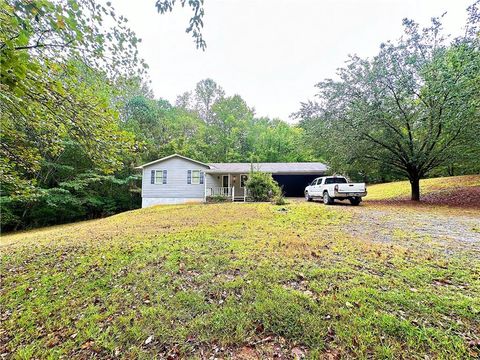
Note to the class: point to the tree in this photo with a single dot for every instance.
(207, 93)
(227, 134)
(412, 107)
(277, 141)
(59, 62)
(54, 76)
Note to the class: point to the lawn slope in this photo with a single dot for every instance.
(232, 280)
(461, 191)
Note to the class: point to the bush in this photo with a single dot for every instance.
(262, 187)
(217, 199)
(279, 199)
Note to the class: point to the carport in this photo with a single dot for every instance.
(294, 185)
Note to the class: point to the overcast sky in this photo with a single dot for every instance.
(272, 52)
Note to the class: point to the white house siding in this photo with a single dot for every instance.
(176, 190)
(213, 180)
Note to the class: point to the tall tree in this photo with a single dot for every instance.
(207, 93)
(411, 107)
(227, 134)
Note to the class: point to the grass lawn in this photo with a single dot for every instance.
(238, 281)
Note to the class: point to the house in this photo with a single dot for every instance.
(177, 179)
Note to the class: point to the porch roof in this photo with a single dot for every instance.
(287, 168)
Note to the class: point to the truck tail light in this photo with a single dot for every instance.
(336, 187)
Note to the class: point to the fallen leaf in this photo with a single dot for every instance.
(332, 355)
(149, 340)
(474, 343)
(88, 345)
(298, 353)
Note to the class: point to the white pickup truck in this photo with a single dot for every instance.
(330, 188)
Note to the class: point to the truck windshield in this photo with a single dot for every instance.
(335, 180)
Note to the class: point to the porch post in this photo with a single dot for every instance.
(233, 193)
(205, 187)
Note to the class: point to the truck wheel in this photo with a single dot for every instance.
(327, 200)
(308, 197)
(355, 201)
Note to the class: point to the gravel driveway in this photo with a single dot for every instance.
(444, 231)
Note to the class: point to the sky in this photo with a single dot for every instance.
(272, 52)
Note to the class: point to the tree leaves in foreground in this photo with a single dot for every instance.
(58, 65)
(56, 59)
(196, 21)
(412, 108)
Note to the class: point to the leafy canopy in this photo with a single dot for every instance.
(412, 108)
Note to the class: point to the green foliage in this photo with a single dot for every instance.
(217, 198)
(279, 198)
(410, 110)
(62, 69)
(262, 187)
(196, 21)
(231, 132)
(76, 115)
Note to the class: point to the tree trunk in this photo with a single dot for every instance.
(415, 184)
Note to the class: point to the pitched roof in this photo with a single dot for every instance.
(274, 168)
(169, 157)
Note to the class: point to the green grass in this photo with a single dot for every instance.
(204, 277)
(401, 189)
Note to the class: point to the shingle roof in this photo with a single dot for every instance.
(286, 168)
(274, 168)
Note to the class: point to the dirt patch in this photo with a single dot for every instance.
(416, 228)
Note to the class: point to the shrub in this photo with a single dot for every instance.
(279, 199)
(262, 187)
(217, 199)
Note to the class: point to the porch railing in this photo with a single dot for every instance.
(228, 192)
(220, 191)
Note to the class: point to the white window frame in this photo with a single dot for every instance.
(155, 178)
(241, 187)
(199, 177)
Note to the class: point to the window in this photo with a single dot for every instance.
(196, 177)
(243, 180)
(158, 176)
(336, 180)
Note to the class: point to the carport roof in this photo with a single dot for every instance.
(286, 168)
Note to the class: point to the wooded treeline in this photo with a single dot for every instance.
(77, 114)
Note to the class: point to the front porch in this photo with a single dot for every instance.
(229, 186)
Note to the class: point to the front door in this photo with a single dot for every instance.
(225, 184)
(225, 181)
